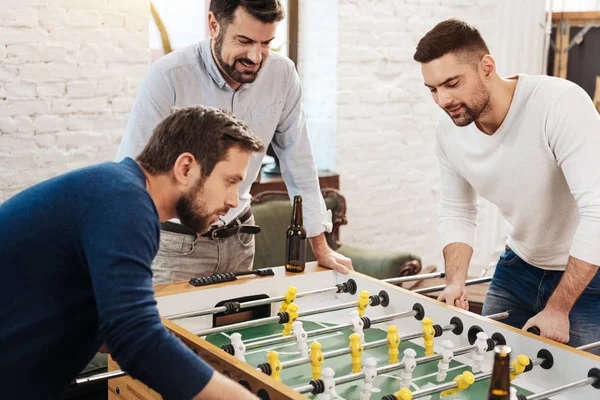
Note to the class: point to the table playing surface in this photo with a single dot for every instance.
(424, 375)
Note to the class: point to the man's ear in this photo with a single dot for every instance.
(214, 26)
(487, 66)
(183, 170)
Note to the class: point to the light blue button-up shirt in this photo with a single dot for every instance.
(271, 106)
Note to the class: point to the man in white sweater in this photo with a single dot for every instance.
(530, 145)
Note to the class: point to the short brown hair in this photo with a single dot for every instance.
(206, 132)
(451, 36)
(267, 11)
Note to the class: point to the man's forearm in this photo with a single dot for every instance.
(457, 257)
(576, 277)
(318, 243)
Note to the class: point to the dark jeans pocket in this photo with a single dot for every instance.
(508, 258)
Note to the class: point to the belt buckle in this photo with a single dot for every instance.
(233, 225)
(215, 232)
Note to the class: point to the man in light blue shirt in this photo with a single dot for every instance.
(234, 70)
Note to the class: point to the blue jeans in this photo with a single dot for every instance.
(524, 290)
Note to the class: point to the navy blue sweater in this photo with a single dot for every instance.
(75, 255)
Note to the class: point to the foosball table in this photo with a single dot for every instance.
(324, 335)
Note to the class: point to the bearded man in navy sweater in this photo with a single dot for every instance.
(75, 256)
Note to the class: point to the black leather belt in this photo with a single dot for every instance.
(216, 232)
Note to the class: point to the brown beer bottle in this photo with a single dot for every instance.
(500, 380)
(295, 240)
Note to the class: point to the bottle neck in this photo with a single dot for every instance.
(297, 214)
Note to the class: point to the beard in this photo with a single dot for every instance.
(470, 112)
(229, 69)
(192, 215)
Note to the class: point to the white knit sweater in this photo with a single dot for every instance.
(541, 168)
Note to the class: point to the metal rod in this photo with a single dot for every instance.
(328, 309)
(415, 277)
(499, 316)
(590, 346)
(247, 304)
(442, 287)
(99, 377)
(322, 331)
(573, 385)
(268, 320)
(450, 385)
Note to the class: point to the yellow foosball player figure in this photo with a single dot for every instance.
(363, 302)
(316, 360)
(292, 311)
(290, 296)
(519, 366)
(463, 380)
(273, 358)
(402, 394)
(394, 343)
(429, 335)
(357, 349)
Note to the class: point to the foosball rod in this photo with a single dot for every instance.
(280, 318)
(98, 377)
(593, 379)
(391, 367)
(417, 311)
(442, 287)
(340, 288)
(254, 303)
(415, 277)
(591, 346)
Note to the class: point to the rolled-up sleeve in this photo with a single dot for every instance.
(573, 129)
(292, 146)
(458, 203)
(153, 103)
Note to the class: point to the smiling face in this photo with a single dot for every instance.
(241, 46)
(212, 196)
(457, 87)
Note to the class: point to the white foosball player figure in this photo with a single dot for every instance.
(357, 324)
(409, 366)
(513, 393)
(327, 378)
(478, 355)
(370, 370)
(444, 364)
(301, 338)
(238, 346)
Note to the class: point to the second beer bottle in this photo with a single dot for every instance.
(500, 381)
(295, 240)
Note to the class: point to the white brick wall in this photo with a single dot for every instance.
(317, 65)
(386, 118)
(69, 70)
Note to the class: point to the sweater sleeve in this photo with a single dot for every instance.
(573, 132)
(120, 240)
(458, 202)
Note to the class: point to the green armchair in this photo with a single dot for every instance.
(272, 212)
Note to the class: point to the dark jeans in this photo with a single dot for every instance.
(524, 290)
